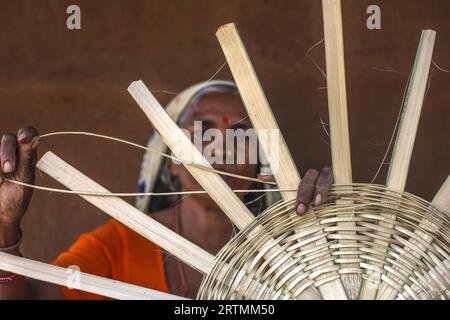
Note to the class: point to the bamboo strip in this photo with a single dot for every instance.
(401, 157)
(258, 109)
(153, 159)
(442, 198)
(336, 91)
(183, 148)
(264, 122)
(122, 211)
(339, 134)
(441, 201)
(87, 282)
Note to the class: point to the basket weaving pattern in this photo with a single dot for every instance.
(411, 257)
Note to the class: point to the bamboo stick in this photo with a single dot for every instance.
(216, 187)
(258, 109)
(122, 211)
(339, 133)
(180, 144)
(87, 282)
(442, 198)
(264, 122)
(442, 202)
(152, 161)
(401, 157)
(336, 91)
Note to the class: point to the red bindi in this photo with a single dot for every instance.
(226, 121)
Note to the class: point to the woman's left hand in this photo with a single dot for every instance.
(314, 186)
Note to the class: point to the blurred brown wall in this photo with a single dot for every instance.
(61, 80)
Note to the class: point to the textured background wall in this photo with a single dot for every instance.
(61, 80)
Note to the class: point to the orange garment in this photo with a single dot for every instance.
(114, 251)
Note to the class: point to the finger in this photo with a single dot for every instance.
(8, 149)
(28, 139)
(323, 185)
(306, 190)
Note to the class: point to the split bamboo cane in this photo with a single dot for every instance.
(442, 198)
(401, 157)
(258, 109)
(339, 131)
(82, 281)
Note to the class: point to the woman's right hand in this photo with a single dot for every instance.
(18, 160)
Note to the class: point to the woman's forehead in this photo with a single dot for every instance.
(217, 104)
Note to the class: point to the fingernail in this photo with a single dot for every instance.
(23, 139)
(7, 167)
(301, 208)
(318, 199)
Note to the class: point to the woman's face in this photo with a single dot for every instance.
(219, 111)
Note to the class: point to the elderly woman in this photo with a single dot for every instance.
(117, 252)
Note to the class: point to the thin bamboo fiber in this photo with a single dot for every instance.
(402, 152)
(366, 202)
(134, 194)
(87, 282)
(157, 152)
(339, 131)
(122, 211)
(177, 141)
(442, 202)
(260, 114)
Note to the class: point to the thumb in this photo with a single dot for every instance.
(28, 139)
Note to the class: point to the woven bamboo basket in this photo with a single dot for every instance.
(409, 262)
